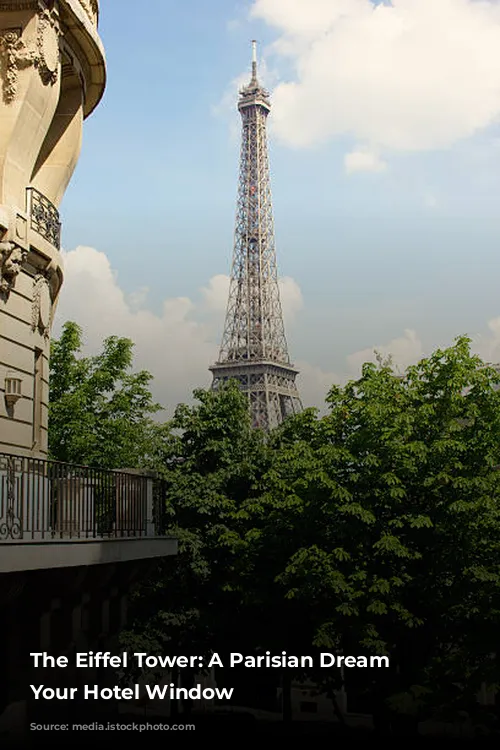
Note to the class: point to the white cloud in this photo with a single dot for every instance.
(177, 348)
(409, 349)
(409, 75)
(216, 292)
(139, 297)
(430, 200)
(363, 160)
(173, 345)
(227, 104)
(291, 297)
(488, 346)
(314, 383)
(404, 351)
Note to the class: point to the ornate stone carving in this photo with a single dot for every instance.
(15, 57)
(12, 258)
(41, 312)
(91, 8)
(18, 53)
(47, 59)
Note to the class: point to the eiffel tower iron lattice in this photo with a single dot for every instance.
(254, 350)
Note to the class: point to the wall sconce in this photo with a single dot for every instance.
(13, 388)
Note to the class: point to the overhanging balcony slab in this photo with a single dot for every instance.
(32, 555)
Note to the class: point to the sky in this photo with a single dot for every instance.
(385, 157)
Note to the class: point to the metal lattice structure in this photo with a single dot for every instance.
(254, 350)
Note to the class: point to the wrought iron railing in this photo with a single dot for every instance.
(48, 500)
(44, 217)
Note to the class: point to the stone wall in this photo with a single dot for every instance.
(52, 73)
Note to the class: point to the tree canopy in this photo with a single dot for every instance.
(100, 413)
(392, 504)
(371, 530)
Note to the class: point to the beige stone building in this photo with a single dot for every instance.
(53, 76)
(72, 539)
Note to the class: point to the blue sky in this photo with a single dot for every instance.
(406, 240)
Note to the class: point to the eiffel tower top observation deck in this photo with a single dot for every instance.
(254, 350)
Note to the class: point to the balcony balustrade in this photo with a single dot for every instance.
(43, 500)
(44, 217)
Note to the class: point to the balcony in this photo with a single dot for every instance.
(54, 514)
(44, 217)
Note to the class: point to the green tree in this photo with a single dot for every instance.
(220, 593)
(100, 413)
(390, 510)
(212, 467)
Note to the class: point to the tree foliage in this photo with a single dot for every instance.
(392, 504)
(213, 463)
(100, 412)
(371, 530)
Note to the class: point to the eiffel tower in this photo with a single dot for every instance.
(254, 350)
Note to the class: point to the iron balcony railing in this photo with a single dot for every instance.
(44, 217)
(43, 500)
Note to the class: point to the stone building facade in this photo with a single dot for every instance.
(72, 539)
(52, 77)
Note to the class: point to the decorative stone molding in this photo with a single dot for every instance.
(12, 258)
(47, 42)
(91, 8)
(21, 224)
(43, 52)
(41, 311)
(15, 57)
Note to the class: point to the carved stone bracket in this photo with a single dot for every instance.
(12, 258)
(41, 313)
(42, 52)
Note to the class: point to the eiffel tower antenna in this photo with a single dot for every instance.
(254, 350)
(254, 60)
